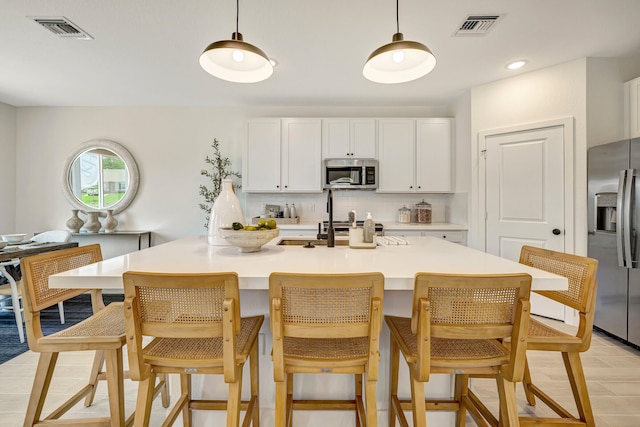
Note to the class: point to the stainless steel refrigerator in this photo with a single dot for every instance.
(614, 225)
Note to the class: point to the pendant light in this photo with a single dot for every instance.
(399, 61)
(236, 60)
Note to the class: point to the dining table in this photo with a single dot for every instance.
(25, 249)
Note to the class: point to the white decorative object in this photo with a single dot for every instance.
(74, 224)
(225, 211)
(92, 225)
(13, 238)
(110, 222)
(249, 240)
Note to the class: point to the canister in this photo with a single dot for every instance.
(404, 214)
(423, 212)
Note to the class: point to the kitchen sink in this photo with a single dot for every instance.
(314, 242)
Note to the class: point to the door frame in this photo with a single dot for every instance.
(567, 125)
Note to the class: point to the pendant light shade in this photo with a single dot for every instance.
(399, 61)
(236, 60)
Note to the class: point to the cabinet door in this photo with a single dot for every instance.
(301, 155)
(433, 155)
(634, 108)
(335, 139)
(396, 155)
(363, 138)
(261, 160)
(348, 138)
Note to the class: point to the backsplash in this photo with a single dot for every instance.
(383, 207)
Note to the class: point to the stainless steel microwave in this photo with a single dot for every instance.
(350, 174)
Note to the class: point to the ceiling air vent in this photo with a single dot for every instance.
(476, 25)
(62, 27)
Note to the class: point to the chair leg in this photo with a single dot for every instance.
(358, 389)
(96, 369)
(61, 310)
(578, 382)
(281, 402)
(394, 366)
(254, 376)
(289, 405)
(115, 386)
(185, 390)
(418, 406)
(41, 383)
(508, 405)
(526, 382)
(460, 393)
(370, 395)
(164, 392)
(144, 401)
(15, 301)
(233, 403)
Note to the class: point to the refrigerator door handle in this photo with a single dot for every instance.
(628, 187)
(619, 221)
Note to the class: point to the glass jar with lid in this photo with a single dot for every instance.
(423, 212)
(404, 214)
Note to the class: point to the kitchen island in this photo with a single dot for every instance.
(398, 264)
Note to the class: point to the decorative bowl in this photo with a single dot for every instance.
(248, 240)
(13, 238)
(3, 244)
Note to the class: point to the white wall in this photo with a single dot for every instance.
(170, 145)
(7, 168)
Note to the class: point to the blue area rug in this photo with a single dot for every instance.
(75, 310)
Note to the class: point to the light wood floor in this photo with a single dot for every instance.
(612, 370)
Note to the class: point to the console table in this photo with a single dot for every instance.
(116, 243)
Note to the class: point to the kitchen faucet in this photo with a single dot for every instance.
(331, 234)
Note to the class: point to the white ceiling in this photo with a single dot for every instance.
(145, 52)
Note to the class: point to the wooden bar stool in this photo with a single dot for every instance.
(326, 324)
(194, 320)
(456, 327)
(581, 296)
(103, 332)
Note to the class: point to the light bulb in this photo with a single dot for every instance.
(398, 56)
(238, 55)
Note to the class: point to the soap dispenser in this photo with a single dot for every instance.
(369, 229)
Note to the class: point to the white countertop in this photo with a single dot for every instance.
(398, 263)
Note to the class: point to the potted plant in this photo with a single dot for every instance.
(219, 169)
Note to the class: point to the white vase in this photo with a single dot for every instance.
(225, 211)
(74, 224)
(110, 222)
(92, 225)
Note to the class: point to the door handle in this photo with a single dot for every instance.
(556, 231)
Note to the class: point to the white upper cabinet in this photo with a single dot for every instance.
(396, 155)
(301, 155)
(415, 155)
(348, 138)
(282, 155)
(633, 113)
(261, 156)
(434, 155)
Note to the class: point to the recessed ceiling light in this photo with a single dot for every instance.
(516, 64)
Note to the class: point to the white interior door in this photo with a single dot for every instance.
(525, 200)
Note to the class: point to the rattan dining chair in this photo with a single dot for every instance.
(456, 327)
(195, 324)
(581, 296)
(103, 332)
(326, 324)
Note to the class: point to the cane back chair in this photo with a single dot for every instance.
(103, 332)
(581, 296)
(195, 324)
(456, 327)
(326, 324)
